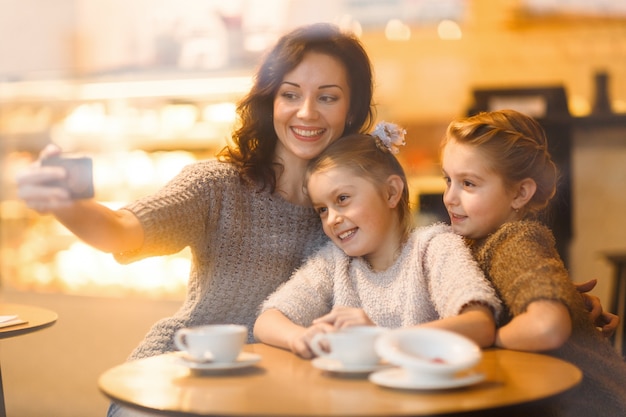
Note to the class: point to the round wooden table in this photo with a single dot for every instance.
(36, 318)
(282, 384)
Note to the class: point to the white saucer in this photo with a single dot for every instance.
(332, 365)
(244, 360)
(400, 378)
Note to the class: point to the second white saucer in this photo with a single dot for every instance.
(400, 378)
(332, 365)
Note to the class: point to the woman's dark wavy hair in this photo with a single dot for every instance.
(254, 141)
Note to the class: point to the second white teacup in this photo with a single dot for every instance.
(215, 342)
(352, 346)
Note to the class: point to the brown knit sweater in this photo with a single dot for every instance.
(521, 261)
(244, 243)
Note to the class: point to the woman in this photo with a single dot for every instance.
(244, 216)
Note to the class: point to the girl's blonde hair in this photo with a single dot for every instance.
(516, 148)
(369, 158)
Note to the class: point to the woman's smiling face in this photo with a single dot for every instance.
(311, 107)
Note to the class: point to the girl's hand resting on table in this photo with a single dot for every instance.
(341, 317)
(338, 318)
(300, 344)
(276, 329)
(33, 185)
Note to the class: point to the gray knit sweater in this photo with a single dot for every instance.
(244, 243)
(435, 276)
(521, 261)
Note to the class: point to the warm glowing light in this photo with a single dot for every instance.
(136, 172)
(85, 270)
(139, 170)
(258, 42)
(397, 31)
(449, 30)
(619, 106)
(578, 106)
(147, 122)
(226, 86)
(169, 164)
(220, 112)
(86, 118)
(178, 118)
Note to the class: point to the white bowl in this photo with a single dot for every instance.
(428, 353)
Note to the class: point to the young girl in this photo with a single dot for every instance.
(376, 270)
(499, 177)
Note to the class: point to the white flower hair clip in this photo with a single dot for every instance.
(390, 135)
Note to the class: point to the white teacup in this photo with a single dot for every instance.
(352, 346)
(216, 342)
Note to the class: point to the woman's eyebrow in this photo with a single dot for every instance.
(321, 87)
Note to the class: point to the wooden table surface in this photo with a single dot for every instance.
(37, 318)
(282, 384)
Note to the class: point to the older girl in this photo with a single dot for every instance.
(499, 177)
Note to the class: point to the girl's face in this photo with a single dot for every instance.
(477, 200)
(356, 215)
(311, 107)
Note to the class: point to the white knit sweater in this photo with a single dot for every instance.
(434, 277)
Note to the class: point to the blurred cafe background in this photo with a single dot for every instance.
(145, 87)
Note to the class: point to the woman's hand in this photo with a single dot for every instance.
(34, 184)
(341, 317)
(605, 321)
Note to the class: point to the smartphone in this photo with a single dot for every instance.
(79, 180)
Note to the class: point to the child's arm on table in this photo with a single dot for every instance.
(274, 328)
(475, 321)
(545, 325)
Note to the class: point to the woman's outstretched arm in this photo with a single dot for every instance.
(95, 224)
